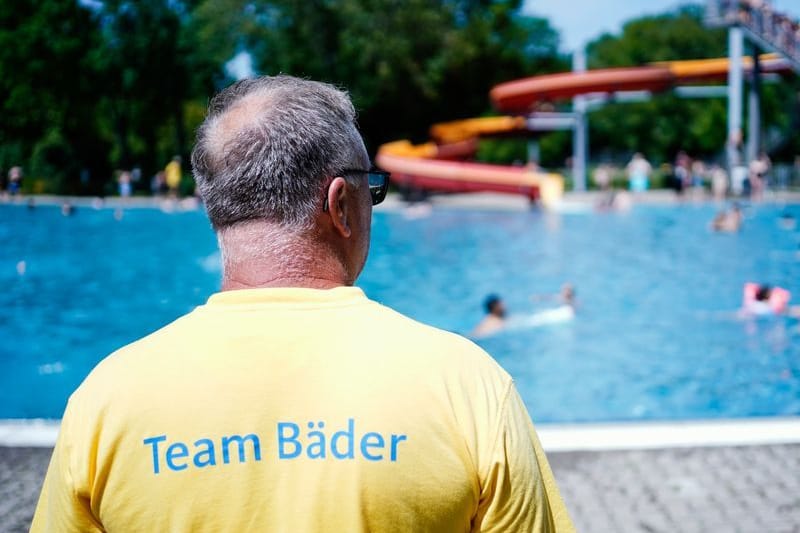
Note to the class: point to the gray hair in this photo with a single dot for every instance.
(267, 146)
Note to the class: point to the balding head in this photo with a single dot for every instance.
(267, 147)
(279, 164)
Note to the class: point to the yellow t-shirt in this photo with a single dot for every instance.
(298, 410)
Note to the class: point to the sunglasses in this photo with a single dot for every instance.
(378, 183)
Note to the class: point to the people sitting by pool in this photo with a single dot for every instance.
(639, 170)
(615, 201)
(495, 319)
(728, 220)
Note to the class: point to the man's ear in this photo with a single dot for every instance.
(338, 206)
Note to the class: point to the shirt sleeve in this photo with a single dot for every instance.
(518, 492)
(63, 506)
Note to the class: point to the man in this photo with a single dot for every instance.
(495, 319)
(291, 402)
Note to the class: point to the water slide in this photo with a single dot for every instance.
(440, 165)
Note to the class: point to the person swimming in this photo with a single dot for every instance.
(565, 296)
(765, 300)
(495, 319)
(562, 313)
(760, 304)
(787, 221)
(728, 221)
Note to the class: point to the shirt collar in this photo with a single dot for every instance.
(288, 296)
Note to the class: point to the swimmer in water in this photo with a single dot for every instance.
(728, 221)
(495, 318)
(566, 296)
(760, 305)
(787, 221)
(564, 312)
(765, 300)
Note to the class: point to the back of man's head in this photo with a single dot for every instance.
(267, 146)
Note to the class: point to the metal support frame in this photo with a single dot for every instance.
(754, 109)
(547, 121)
(701, 91)
(580, 135)
(534, 155)
(735, 53)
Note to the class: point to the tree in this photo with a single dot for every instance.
(406, 64)
(46, 89)
(146, 80)
(666, 123)
(92, 86)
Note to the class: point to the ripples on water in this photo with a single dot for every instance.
(655, 336)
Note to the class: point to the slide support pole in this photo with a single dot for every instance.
(533, 152)
(735, 52)
(754, 109)
(580, 133)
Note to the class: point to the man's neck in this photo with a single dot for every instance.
(262, 256)
(233, 282)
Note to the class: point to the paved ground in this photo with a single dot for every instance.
(748, 489)
(21, 474)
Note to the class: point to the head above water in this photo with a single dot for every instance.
(568, 293)
(270, 153)
(763, 293)
(494, 305)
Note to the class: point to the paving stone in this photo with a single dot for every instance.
(747, 489)
(736, 489)
(21, 474)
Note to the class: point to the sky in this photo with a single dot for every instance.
(581, 21)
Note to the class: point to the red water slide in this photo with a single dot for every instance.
(435, 166)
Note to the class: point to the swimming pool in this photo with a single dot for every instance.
(655, 336)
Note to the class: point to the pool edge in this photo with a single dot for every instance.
(42, 433)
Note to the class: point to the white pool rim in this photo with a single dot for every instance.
(554, 437)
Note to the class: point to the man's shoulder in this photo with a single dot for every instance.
(139, 357)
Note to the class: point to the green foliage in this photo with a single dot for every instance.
(503, 151)
(54, 161)
(47, 83)
(406, 64)
(90, 87)
(667, 124)
(674, 35)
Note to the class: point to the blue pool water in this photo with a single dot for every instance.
(655, 336)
